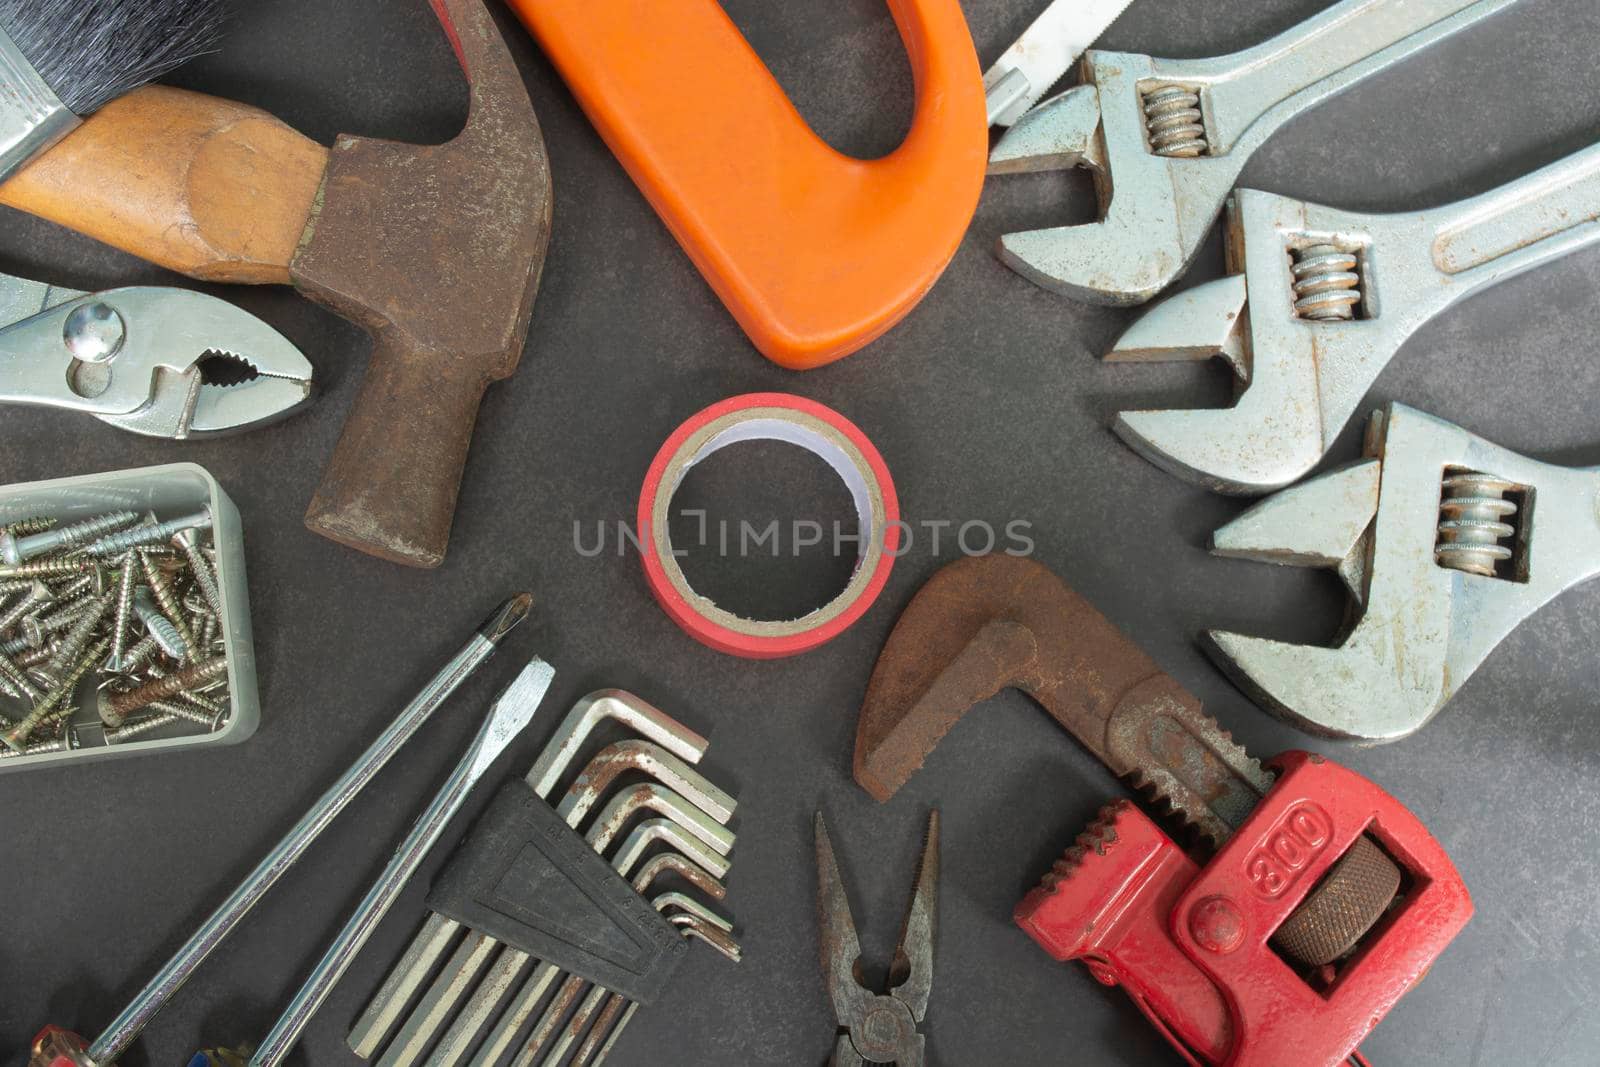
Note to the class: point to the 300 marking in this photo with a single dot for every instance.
(1289, 847)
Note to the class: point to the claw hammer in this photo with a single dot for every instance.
(436, 250)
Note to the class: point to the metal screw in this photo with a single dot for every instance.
(36, 597)
(138, 727)
(24, 527)
(205, 630)
(119, 623)
(36, 629)
(19, 585)
(147, 535)
(188, 542)
(65, 743)
(18, 682)
(161, 589)
(64, 567)
(15, 550)
(77, 638)
(34, 657)
(183, 711)
(160, 627)
(46, 708)
(196, 677)
(141, 653)
(213, 708)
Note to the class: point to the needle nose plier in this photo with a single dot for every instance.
(878, 1028)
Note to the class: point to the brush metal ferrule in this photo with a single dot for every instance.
(32, 117)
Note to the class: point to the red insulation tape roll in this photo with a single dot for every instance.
(821, 431)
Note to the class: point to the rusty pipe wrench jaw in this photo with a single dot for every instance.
(1429, 493)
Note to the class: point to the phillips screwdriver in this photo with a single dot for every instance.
(56, 1047)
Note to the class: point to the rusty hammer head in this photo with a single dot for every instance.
(437, 250)
(989, 623)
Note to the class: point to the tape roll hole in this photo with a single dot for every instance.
(789, 589)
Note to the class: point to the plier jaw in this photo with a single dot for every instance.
(156, 361)
(878, 1028)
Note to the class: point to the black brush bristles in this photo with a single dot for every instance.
(92, 51)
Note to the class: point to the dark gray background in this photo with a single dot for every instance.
(988, 403)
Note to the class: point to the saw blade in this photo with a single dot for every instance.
(1044, 53)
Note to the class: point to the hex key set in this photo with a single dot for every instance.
(490, 953)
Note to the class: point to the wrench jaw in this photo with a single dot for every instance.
(1267, 439)
(1155, 210)
(1419, 625)
(1299, 381)
(1216, 449)
(1330, 522)
(1325, 522)
(1344, 692)
(1302, 373)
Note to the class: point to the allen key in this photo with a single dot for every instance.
(592, 1052)
(438, 933)
(694, 919)
(471, 988)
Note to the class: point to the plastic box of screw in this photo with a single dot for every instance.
(61, 606)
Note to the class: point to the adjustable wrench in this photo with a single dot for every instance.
(1446, 543)
(1166, 139)
(1338, 294)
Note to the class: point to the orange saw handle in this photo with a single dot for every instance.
(815, 253)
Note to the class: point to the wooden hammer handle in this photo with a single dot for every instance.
(210, 188)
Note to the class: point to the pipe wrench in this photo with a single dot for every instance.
(1166, 139)
(1446, 544)
(1338, 294)
(152, 360)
